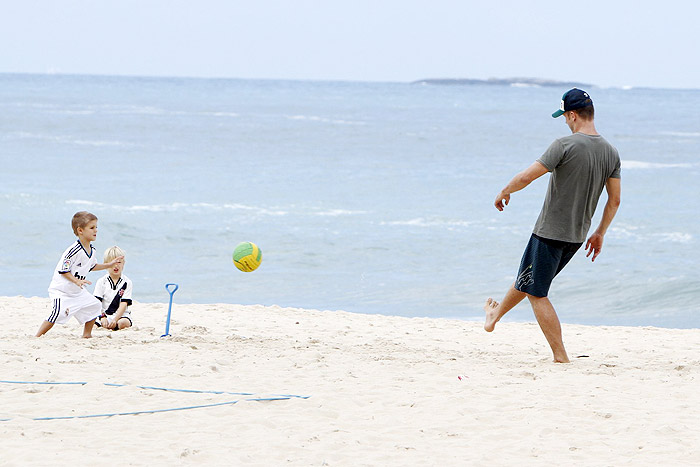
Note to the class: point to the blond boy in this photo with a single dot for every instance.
(114, 290)
(69, 278)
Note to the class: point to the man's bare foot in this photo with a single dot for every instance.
(562, 358)
(491, 308)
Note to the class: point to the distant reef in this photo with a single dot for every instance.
(502, 82)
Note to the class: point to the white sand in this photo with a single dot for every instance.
(384, 391)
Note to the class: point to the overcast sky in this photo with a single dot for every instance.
(608, 43)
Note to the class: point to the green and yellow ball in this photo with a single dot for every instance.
(247, 256)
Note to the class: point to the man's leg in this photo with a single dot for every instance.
(549, 323)
(495, 311)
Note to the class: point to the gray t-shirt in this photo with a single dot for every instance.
(580, 166)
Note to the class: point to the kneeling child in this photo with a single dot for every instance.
(114, 291)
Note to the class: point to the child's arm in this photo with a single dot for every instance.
(100, 267)
(79, 282)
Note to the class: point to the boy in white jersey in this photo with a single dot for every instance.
(66, 288)
(114, 292)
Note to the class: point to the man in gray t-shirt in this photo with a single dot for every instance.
(581, 165)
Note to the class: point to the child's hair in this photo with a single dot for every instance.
(113, 252)
(81, 219)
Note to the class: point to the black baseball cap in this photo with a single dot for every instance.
(573, 99)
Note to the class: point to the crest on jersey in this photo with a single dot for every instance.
(121, 293)
(66, 265)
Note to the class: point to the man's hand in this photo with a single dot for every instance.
(595, 242)
(502, 200)
(594, 245)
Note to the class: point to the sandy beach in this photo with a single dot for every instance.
(381, 391)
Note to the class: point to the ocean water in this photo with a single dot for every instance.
(364, 197)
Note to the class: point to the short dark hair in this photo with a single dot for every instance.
(586, 113)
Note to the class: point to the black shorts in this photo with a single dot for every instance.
(542, 261)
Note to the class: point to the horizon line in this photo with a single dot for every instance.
(486, 81)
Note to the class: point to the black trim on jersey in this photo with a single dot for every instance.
(114, 306)
(73, 251)
(92, 249)
(114, 286)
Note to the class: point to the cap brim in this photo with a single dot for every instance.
(558, 113)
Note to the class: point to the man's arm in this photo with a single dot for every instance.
(595, 241)
(520, 181)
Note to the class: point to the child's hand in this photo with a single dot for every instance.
(77, 281)
(117, 260)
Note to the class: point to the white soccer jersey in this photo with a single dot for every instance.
(111, 293)
(75, 261)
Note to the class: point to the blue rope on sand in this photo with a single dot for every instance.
(275, 397)
(183, 390)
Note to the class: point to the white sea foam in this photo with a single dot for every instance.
(524, 85)
(314, 118)
(674, 237)
(626, 164)
(96, 143)
(171, 207)
(339, 212)
(73, 112)
(422, 222)
(62, 139)
(682, 134)
(149, 110)
(220, 114)
(15, 195)
(146, 110)
(638, 234)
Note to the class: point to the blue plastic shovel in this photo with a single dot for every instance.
(170, 307)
